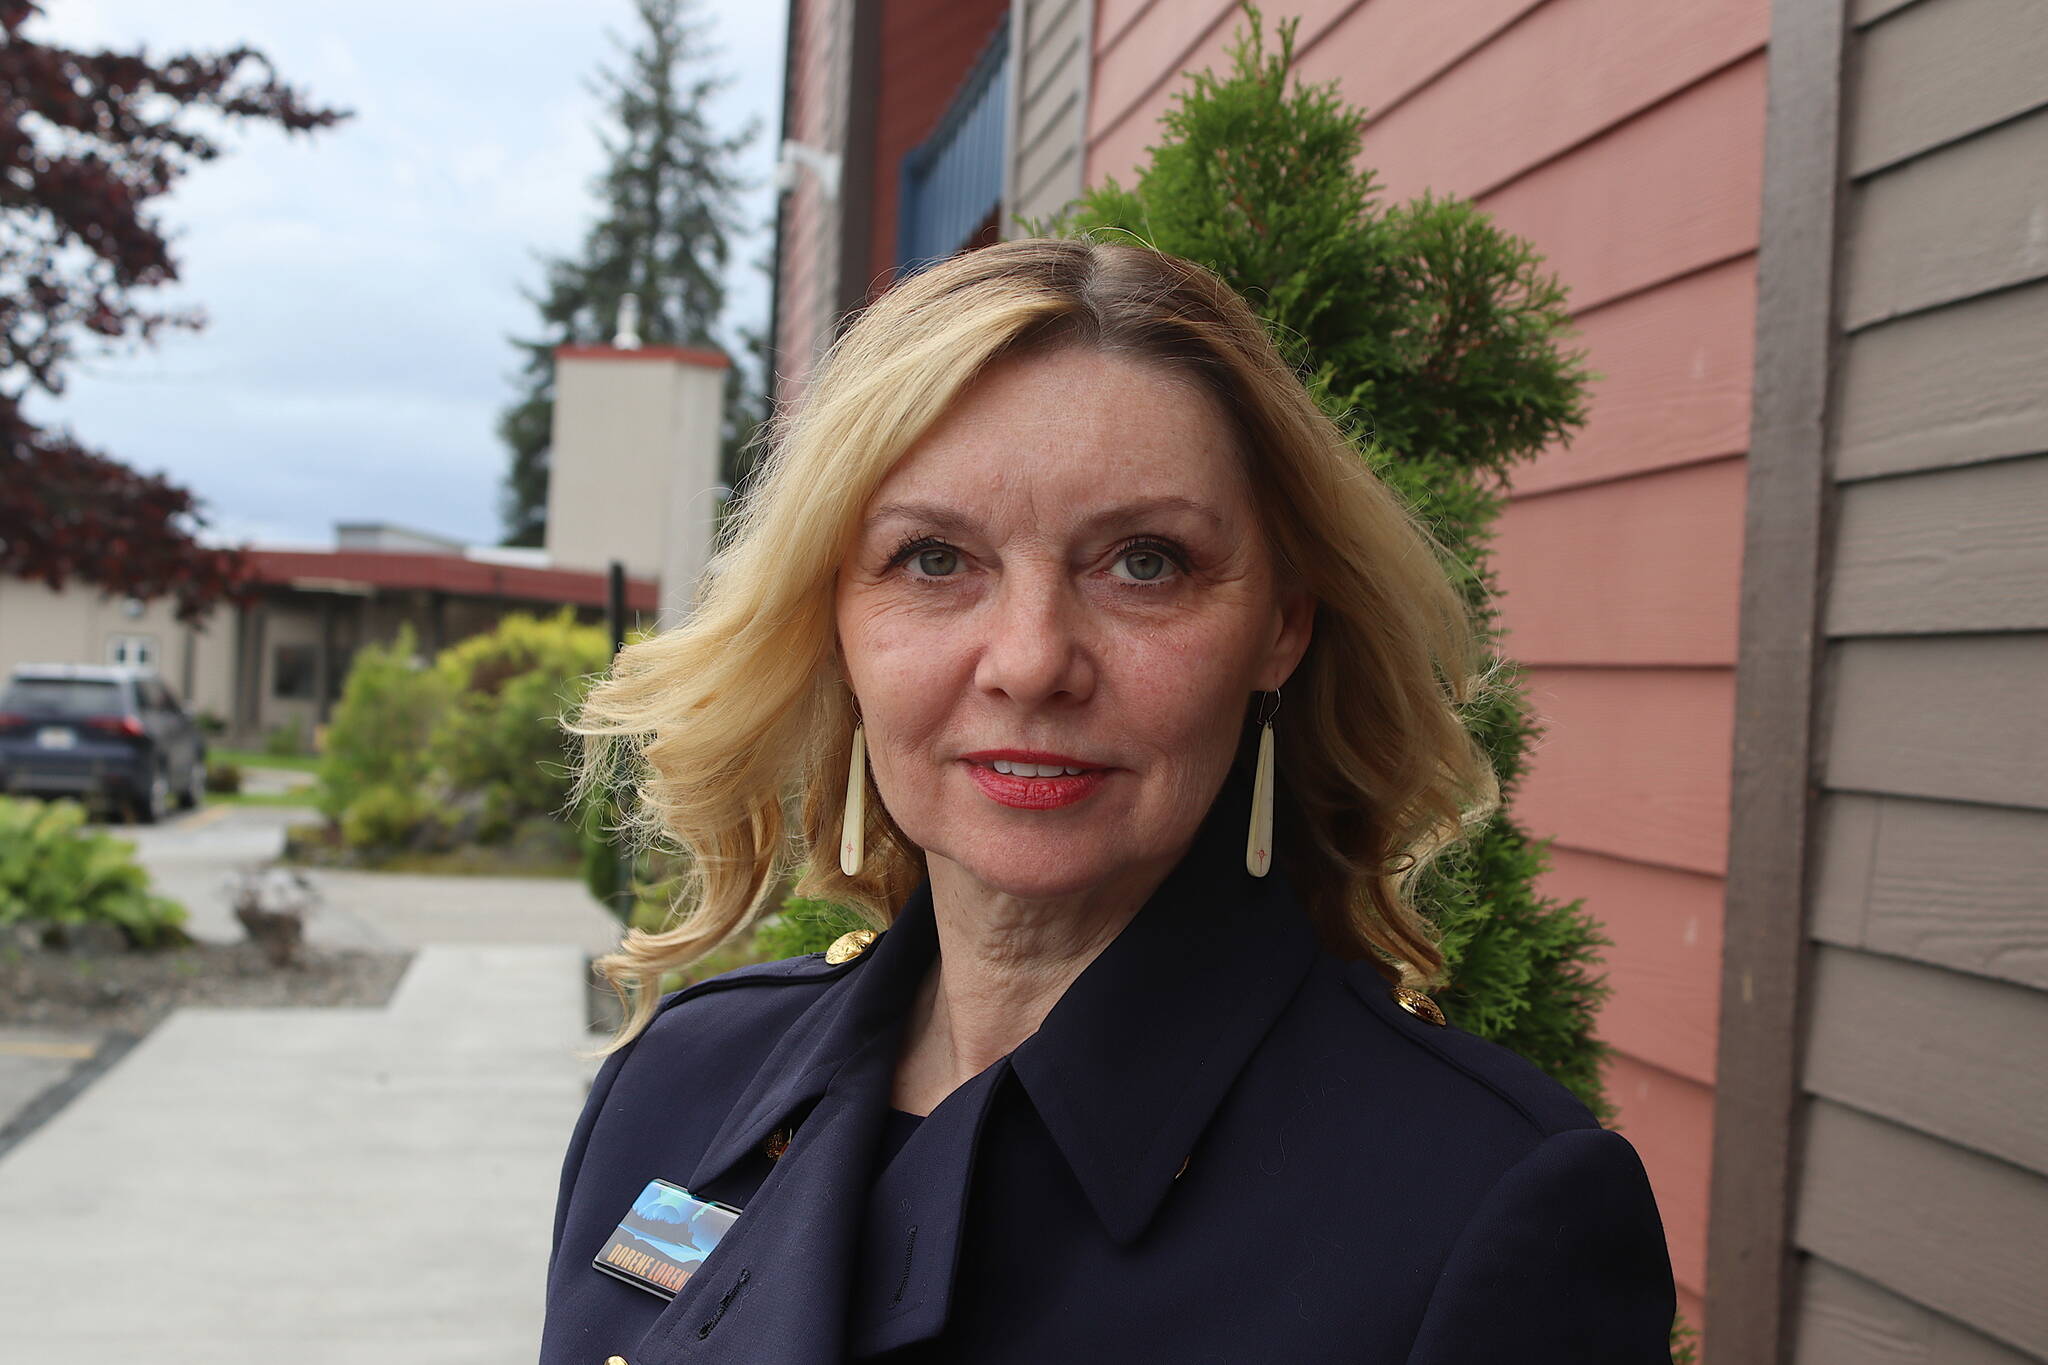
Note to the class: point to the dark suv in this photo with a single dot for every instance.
(101, 733)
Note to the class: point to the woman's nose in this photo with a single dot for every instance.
(1032, 646)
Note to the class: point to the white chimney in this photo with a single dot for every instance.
(633, 466)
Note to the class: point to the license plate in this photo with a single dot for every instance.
(56, 737)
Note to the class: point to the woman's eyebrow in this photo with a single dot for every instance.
(936, 515)
(950, 519)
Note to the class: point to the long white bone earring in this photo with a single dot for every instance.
(854, 822)
(1258, 844)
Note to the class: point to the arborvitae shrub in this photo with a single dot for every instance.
(1433, 340)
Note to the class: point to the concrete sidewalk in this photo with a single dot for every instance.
(309, 1185)
(192, 858)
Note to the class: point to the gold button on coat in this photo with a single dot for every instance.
(849, 946)
(777, 1144)
(1418, 1004)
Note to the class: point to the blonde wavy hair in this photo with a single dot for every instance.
(734, 727)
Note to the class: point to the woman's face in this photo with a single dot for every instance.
(1069, 569)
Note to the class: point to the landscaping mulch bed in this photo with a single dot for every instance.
(546, 849)
(131, 991)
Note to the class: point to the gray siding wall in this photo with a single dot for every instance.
(1921, 1191)
(1052, 44)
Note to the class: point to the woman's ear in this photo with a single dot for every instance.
(1290, 641)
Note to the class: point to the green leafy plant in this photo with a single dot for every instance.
(465, 750)
(388, 817)
(1684, 1343)
(804, 926)
(284, 740)
(654, 872)
(55, 874)
(379, 733)
(506, 691)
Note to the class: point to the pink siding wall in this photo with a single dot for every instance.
(1625, 141)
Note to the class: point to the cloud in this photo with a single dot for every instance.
(360, 282)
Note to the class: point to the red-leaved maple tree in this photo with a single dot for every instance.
(87, 139)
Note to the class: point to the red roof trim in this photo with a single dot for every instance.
(688, 355)
(448, 573)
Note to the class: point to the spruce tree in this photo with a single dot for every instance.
(669, 196)
(1433, 339)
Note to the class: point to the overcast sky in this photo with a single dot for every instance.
(360, 281)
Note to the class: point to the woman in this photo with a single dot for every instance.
(1133, 1071)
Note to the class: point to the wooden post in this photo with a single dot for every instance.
(323, 661)
(615, 621)
(1766, 954)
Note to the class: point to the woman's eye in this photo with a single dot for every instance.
(936, 562)
(1139, 563)
(1146, 566)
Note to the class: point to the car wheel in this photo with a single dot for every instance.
(154, 803)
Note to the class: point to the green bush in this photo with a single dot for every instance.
(223, 777)
(468, 749)
(387, 817)
(54, 874)
(381, 730)
(1684, 1342)
(498, 815)
(804, 926)
(600, 853)
(285, 741)
(657, 875)
(506, 691)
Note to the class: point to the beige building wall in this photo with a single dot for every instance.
(634, 467)
(80, 625)
(286, 623)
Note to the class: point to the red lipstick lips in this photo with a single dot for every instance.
(1033, 793)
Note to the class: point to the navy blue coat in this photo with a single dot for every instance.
(1223, 1144)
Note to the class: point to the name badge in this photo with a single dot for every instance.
(663, 1238)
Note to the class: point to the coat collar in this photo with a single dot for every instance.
(1129, 1065)
(1134, 1060)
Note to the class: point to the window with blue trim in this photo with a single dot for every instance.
(951, 185)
